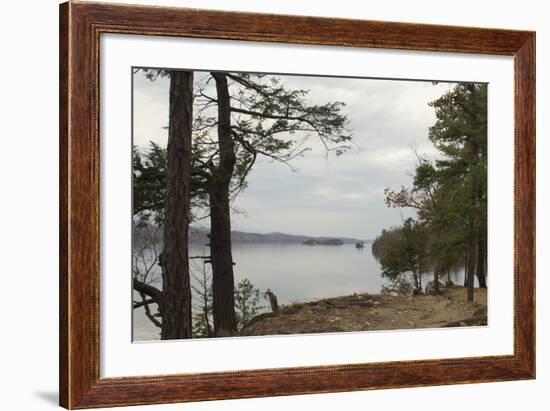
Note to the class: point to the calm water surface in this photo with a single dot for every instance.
(296, 273)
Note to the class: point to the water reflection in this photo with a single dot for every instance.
(299, 273)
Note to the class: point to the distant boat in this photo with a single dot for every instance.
(359, 244)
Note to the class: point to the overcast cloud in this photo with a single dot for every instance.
(341, 196)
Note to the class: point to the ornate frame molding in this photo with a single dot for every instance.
(81, 24)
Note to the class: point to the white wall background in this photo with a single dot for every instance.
(29, 233)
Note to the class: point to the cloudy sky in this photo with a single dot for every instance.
(338, 196)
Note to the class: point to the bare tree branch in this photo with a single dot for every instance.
(150, 315)
(150, 291)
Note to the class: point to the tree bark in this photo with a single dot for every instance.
(176, 289)
(466, 265)
(223, 283)
(470, 271)
(473, 252)
(149, 290)
(417, 283)
(481, 273)
(436, 279)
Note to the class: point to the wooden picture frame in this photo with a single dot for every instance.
(80, 27)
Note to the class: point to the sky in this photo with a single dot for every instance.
(335, 196)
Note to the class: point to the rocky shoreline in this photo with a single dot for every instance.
(369, 312)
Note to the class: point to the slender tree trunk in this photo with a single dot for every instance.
(480, 268)
(436, 279)
(223, 283)
(466, 265)
(206, 309)
(416, 284)
(176, 289)
(473, 253)
(470, 272)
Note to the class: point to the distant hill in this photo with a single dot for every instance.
(198, 235)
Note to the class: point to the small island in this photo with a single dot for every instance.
(323, 241)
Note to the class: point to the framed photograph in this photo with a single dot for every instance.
(259, 205)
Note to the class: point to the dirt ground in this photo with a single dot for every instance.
(367, 312)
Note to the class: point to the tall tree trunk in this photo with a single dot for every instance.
(176, 289)
(481, 273)
(223, 283)
(436, 279)
(466, 265)
(417, 287)
(470, 271)
(474, 222)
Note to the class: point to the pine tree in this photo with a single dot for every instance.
(450, 193)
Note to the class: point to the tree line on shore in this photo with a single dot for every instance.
(219, 125)
(449, 197)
